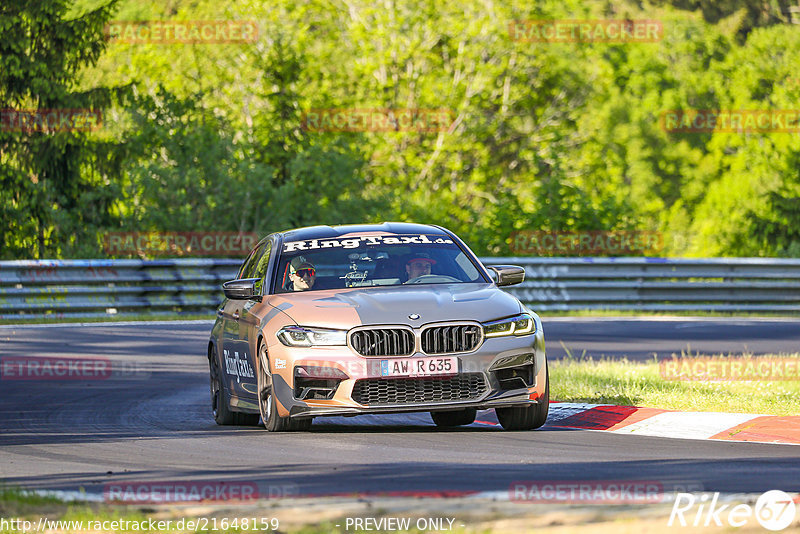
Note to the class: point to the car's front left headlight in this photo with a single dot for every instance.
(519, 325)
(304, 336)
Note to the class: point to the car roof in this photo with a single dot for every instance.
(323, 232)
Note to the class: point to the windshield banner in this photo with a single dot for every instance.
(355, 242)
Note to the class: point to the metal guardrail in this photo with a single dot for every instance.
(99, 288)
(658, 284)
(94, 288)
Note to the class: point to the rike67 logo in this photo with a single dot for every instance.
(774, 510)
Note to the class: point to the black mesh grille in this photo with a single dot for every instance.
(450, 339)
(377, 391)
(383, 342)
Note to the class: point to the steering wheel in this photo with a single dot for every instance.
(431, 278)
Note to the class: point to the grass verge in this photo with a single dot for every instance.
(628, 383)
(28, 505)
(329, 516)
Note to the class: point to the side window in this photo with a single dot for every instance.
(249, 266)
(246, 265)
(261, 266)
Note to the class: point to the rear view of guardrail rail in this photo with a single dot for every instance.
(95, 288)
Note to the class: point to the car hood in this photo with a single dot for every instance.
(346, 308)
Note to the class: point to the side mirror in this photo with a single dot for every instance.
(508, 275)
(244, 289)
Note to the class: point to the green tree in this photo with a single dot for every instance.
(739, 16)
(314, 179)
(55, 185)
(544, 136)
(182, 170)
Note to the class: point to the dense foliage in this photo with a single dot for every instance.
(542, 135)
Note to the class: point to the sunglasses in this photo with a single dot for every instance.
(306, 272)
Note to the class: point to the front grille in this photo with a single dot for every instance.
(450, 339)
(378, 391)
(383, 342)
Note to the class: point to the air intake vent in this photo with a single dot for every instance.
(383, 391)
(451, 339)
(383, 342)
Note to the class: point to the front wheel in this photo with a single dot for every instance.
(266, 400)
(527, 417)
(220, 398)
(454, 417)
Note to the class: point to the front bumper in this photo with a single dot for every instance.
(499, 400)
(485, 360)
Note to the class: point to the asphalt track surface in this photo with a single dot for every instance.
(152, 423)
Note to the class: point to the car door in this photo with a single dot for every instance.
(250, 323)
(236, 360)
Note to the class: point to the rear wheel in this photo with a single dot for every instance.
(220, 398)
(266, 399)
(527, 417)
(454, 417)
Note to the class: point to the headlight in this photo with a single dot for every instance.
(303, 336)
(520, 325)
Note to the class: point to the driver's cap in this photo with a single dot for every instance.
(421, 257)
(299, 262)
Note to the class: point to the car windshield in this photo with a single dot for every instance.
(374, 259)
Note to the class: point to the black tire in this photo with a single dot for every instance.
(452, 418)
(220, 398)
(266, 400)
(527, 417)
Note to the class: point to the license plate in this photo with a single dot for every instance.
(419, 366)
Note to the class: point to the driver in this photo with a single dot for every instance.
(303, 276)
(419, 265)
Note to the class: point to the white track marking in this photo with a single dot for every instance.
(687, 425)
